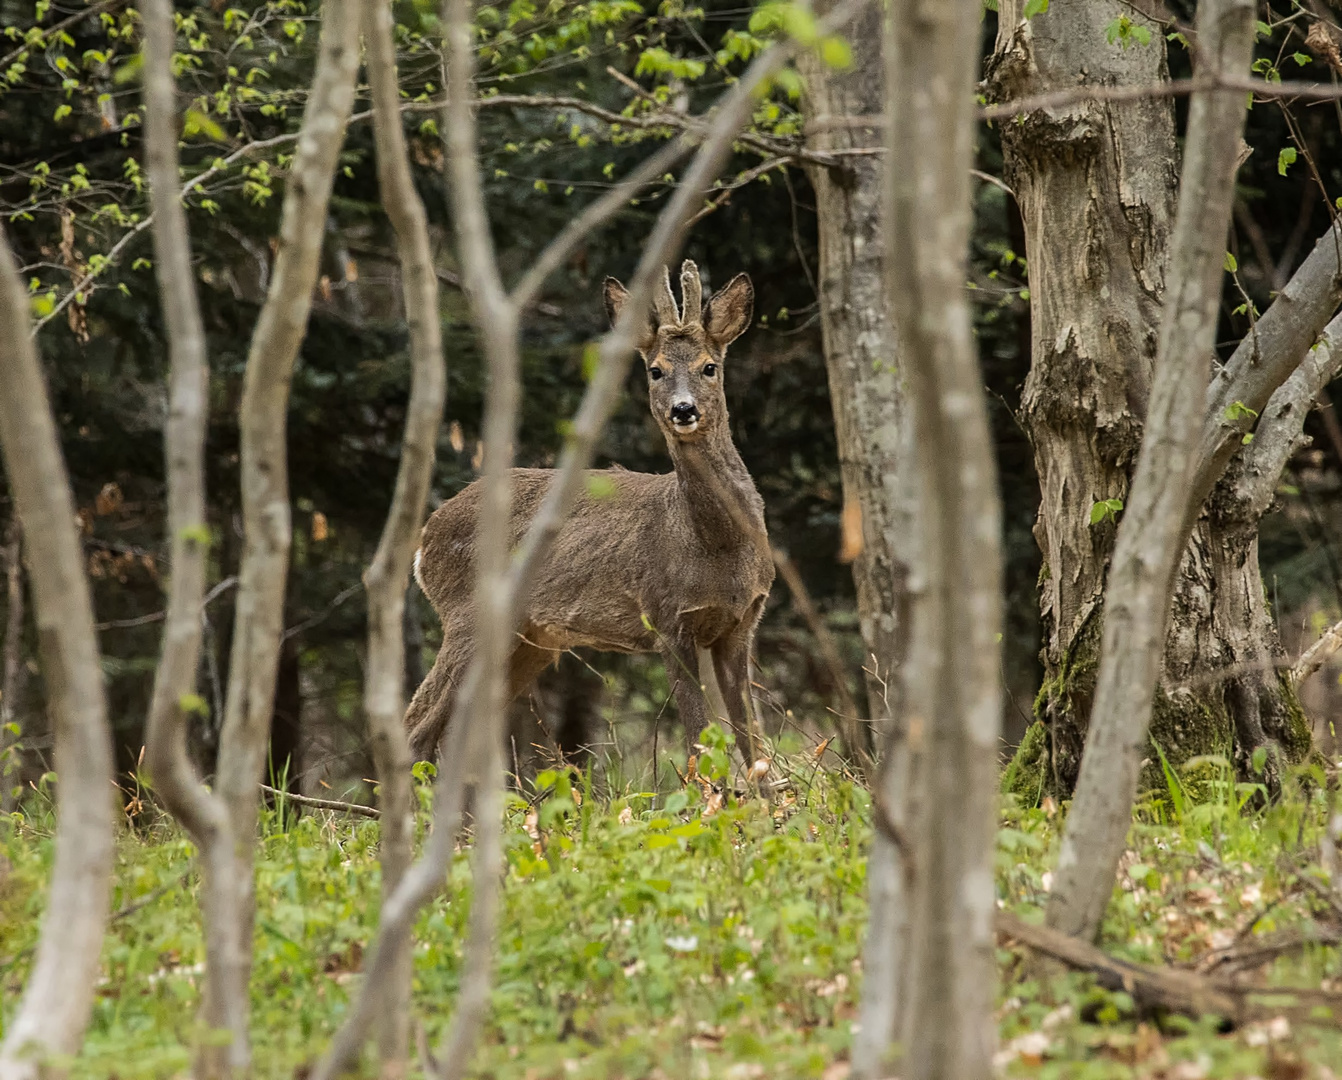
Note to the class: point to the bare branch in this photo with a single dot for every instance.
(54, 1009)
(339, 806)
(1290, 90)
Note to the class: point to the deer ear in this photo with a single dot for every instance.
(616, 295)
(729, 312)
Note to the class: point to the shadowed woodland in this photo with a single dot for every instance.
(1029, 764)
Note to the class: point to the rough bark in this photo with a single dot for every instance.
(11, 677)
(1265, 708)
(174, 700)
(954, 691)
(1094, 182)
(1081, 285)
(861, 358)
(258, 618)
(425, 877)
(386, 578)
(54, 1010)
(1155, 528)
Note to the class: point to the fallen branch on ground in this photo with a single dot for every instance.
(1171, 989)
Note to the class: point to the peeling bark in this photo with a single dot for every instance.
(54, 1011)
(1154, 531)
(1094, 182)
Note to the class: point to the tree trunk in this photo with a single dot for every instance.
(11, 679)
(174, 701)
(1095, 185)
(259, 614)
(386, 578)
(861, 357)
(954, 690)
(1154, 532)
(54, 1010)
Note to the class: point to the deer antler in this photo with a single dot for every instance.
(691, 291)
(664, 304)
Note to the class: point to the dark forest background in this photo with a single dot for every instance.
(107, 366)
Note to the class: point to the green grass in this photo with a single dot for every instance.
(642, 941)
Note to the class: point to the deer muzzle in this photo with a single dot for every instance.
(684, 417)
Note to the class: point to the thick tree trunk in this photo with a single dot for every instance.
(387, 575)
(1095, 186)
(1095, 183)
(1155, 528)
(54, 1010)
(861, 356)
(954, 691)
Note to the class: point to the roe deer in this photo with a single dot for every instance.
(684, 553)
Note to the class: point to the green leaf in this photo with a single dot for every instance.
(1259, 759)
(198, 123)
(193, 703)
(1285, 159)
(1231, 265)
(1035, 7)
(600, 486)
(836, 53)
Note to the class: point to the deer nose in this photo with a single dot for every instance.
(684, 412)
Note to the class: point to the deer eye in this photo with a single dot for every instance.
(710, 370)
(655, 373)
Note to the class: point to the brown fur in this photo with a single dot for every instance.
(685, 552)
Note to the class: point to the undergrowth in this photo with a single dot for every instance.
(645, 937)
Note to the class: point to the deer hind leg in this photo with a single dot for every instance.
(431, 707)
(731, 664)
(682, 671)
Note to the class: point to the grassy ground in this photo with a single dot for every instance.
(652, 941)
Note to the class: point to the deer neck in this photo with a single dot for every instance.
(720, 498)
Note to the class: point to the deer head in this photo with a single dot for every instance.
(683, 349)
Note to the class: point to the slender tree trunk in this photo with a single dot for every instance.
(54, 1010)
(861, 356)
(385, 580)
(174, 699)
(1095, 185)
(11, 678)
(1155, 528)
(258, 620)
(954, 691)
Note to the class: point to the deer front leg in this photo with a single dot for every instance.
(731, 663)
(682, 671)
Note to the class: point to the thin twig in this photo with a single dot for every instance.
(325, 804)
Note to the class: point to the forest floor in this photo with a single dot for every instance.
(654, 941)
